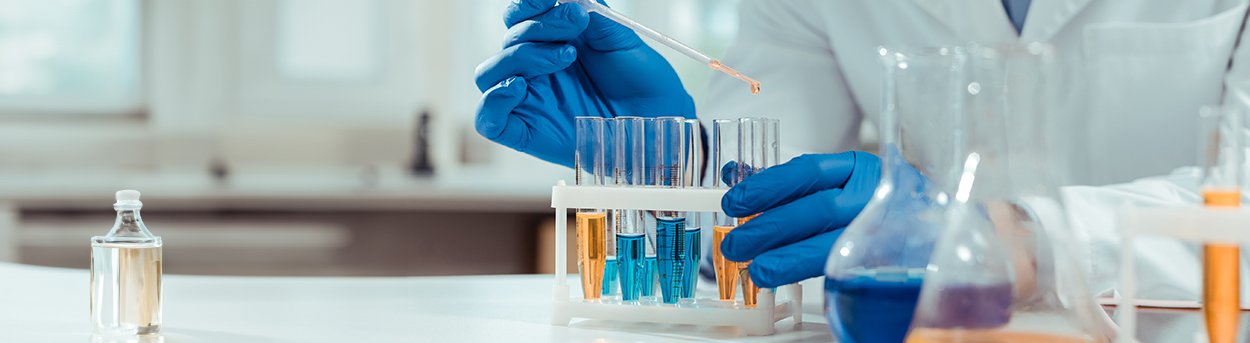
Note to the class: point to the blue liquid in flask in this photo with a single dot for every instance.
(873, 306)
(629, 260)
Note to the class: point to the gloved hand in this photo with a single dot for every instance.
(803, 204)
(559, 62)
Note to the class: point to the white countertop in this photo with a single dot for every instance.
(39, 304)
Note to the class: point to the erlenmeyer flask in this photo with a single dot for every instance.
(1001, 271)
(875, 270)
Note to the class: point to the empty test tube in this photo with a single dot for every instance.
(629, 158)
(589, 166)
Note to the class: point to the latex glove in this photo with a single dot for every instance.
(803, 204)
(559, 62)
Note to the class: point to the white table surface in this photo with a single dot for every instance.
(40, 304)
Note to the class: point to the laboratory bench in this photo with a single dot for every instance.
(46, 304)
(313, 222)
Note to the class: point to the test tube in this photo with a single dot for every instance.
(693, 179)
(629, 141)
(724, 155)
(650, 268)
(1223, 148)
(670, 226)
(758, 148)
(589, 168)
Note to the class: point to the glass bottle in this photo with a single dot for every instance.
(1001, 271)
(875, 269)
(126, 274)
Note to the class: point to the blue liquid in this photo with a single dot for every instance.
(609, 276)
(872, 307)
(694, 249)
(670, 248)
(647, 281)
(629, 260)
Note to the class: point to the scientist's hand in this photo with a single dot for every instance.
(559, 62)
(803, 204)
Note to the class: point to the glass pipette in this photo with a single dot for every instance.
(594, 6)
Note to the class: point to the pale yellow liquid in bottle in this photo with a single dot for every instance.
(126, 288)
(1221, 277)
(989, 336)
(726, 271)
(592, 252)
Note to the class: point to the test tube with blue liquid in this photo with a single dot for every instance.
(694, 157)
(611, 268)
(628, 139)
(670, 226)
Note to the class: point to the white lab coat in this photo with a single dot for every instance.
(1146, 68)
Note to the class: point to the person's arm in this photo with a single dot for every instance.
(784, 45)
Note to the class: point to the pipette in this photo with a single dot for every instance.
(594, 6)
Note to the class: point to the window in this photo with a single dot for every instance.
(70, 56)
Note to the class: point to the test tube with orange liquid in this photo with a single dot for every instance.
(590, 168)
(1222, 151)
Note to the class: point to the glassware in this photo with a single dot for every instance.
(1001, 271)
(1223, 143)
(725, 156)
(670, 228)
(589, 167)
(875, 269)
(759, 148)
(126, 269)
(627, 135)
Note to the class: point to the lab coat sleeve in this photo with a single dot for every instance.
(785, 45)
(1168, 269)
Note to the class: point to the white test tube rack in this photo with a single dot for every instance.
(1198, 224)
(757, 321)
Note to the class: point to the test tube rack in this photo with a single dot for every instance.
(1197, 224)
(757, 321)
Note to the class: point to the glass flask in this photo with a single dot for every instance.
(875, 269)
(1001, 271)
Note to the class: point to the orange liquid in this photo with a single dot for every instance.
(989, 336)
(721, 67)
(592, 251)
(1221, 277)
(750, 292)
(726, 270)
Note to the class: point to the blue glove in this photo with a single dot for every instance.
(559, 62)
(803, 206)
